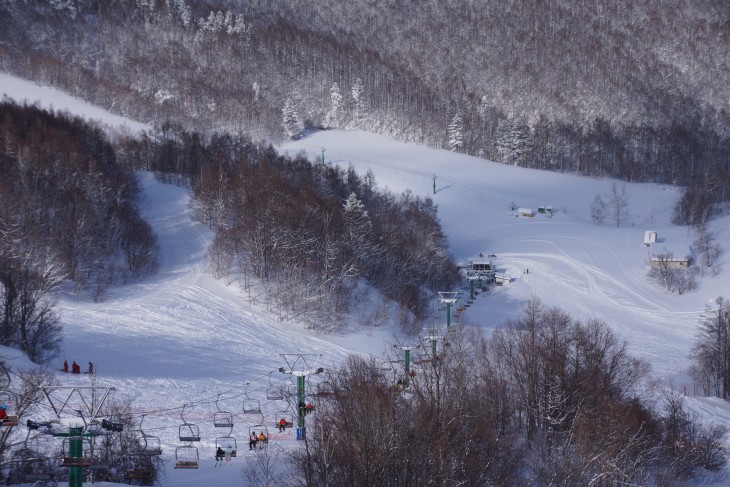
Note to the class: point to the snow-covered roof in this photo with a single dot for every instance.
(669, 251)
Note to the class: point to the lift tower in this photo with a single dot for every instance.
(298, 365)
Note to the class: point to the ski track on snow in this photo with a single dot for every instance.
(203, 334)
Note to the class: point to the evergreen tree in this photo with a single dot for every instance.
(290, 119)
(358, 229)
(514, 142)
(332, 118)
(455, 133)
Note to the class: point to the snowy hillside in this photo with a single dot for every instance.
(182, 337)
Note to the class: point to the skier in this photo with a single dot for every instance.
(229, 453)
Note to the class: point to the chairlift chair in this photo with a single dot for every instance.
(222, 419)
(275, 391)
(32, 469)
(87, 460)
(226, 441)
(287, 414)
(10, 421)
(250, 406)
(149, 444)
(186, 456)
(258, 429)
(138, 474)
(188, 432)
(325, 389)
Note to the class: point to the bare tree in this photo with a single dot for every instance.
(665, 271)
(28, 278)
(689, 445)
(599, 208)
(711, 351)
(618, 202)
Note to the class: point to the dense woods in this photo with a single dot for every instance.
(310, 233)
(67, 213)
(546, 401)
(633, 90)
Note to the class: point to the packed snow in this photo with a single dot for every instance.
(183, 338)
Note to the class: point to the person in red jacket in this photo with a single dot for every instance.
(282, 425)
(75, 369)
(3, 412)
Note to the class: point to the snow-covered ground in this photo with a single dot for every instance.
(182, 337)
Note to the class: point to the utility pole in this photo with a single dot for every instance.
(293, 362)
(434, 184)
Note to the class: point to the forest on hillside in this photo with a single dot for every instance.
(68, 214)
(310, 233)
(633, 90)
(545, 400)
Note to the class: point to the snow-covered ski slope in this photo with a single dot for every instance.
(182, 337)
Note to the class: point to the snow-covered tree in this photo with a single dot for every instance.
(183, 11)
(599, 208)
(358, 100)
(332, 117)
(514, 142)
(290, 119)
(455, 134)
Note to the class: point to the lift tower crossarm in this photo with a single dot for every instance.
(92, 412)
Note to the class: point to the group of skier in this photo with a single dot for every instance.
(76, 368)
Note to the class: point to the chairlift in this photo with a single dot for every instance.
(186, 456)
(250, 406)
(287, 415)
(30, 469)
(87, 460)
(149, 444)
(111, 426)
(188, 432)
(258, 429)
(222, 419)
(325, 389)
(274, 392)
(10, 421)
(226, 441)
(138, 474)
